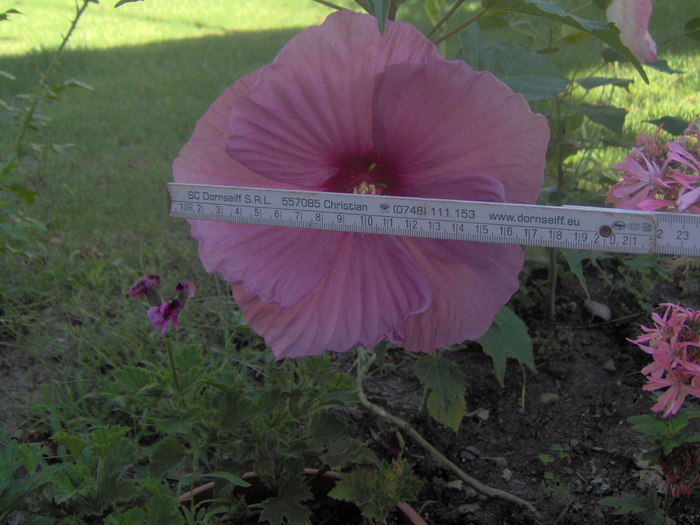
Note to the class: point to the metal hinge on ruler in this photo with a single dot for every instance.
(577, 227)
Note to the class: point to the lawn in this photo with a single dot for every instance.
(67, 327)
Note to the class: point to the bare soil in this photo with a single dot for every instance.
(574, 409)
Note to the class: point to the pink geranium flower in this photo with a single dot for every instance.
(632, 19)
(343, 108)
(658, 176)
(165, 315)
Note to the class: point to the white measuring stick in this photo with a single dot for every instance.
(577, 227)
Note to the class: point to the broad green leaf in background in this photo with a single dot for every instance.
(674, 125)
(608, 116)
(692, 28)
(594, 82)
(603, 31)
(506, 338)
(524, 71)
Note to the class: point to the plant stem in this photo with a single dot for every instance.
(329, 4)
(446, 17)
(79, 10)
(460, 27)
(363, 364)
(173, 368)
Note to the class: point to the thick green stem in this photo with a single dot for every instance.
(24, 128)
(363, 364)
(460, 27)
(445, 18)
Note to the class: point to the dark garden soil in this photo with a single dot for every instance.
(574, 409)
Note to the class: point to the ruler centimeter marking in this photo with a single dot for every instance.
(577, 227)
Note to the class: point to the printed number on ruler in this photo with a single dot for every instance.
(586, 228)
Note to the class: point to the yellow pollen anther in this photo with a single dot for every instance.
(366, 189)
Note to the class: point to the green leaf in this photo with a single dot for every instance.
(122, 2)
(287, 507)
(166, 455)
(674, 125)
(442, 377)
(7, 75)
(662, 65)
(604, 31)
(594, 82)
(451, 415)
(692, 28)
(5, 15)
(381, 12)
(435, 10)
(506, 338)
(227, 476)
(574, 259)
(27, 195)
(63, 149)
(608, 116)
(524, 71)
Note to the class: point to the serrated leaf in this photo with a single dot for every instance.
(604, 31)
(506, 338)
(166, 455)
(276, 511)
(608, 116)
(674, 125)
(442, 377)
(574, 259)
(594, 82)
(692, 28)
(451, 415)
(524, 71)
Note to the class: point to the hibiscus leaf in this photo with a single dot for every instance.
(604, 31)
(442, 377)
(524, 71)
(451, 415)
(381, 11)
(506, 338)
(594, 82)
(692, 28)
(674, 125)
(608, 116)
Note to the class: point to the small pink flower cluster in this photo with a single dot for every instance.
(674, 344)
(162, 314)
(658, 176)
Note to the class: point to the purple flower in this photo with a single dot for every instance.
(345, 109)
(185, 290)
(632, 19)
(145, 287)
(164, 316)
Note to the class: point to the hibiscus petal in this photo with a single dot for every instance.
(459, 121)
(372, 287)
(632, 19)
(203, 160)
(470, 283)
(312, 107)
(276, 264)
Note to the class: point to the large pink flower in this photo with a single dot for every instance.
(632, 19)
(345, 109)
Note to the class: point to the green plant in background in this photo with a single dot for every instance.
(23, 117)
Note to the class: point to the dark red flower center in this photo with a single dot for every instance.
(363, 174)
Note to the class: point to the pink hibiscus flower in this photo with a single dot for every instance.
(632, 19)
(345, 109)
